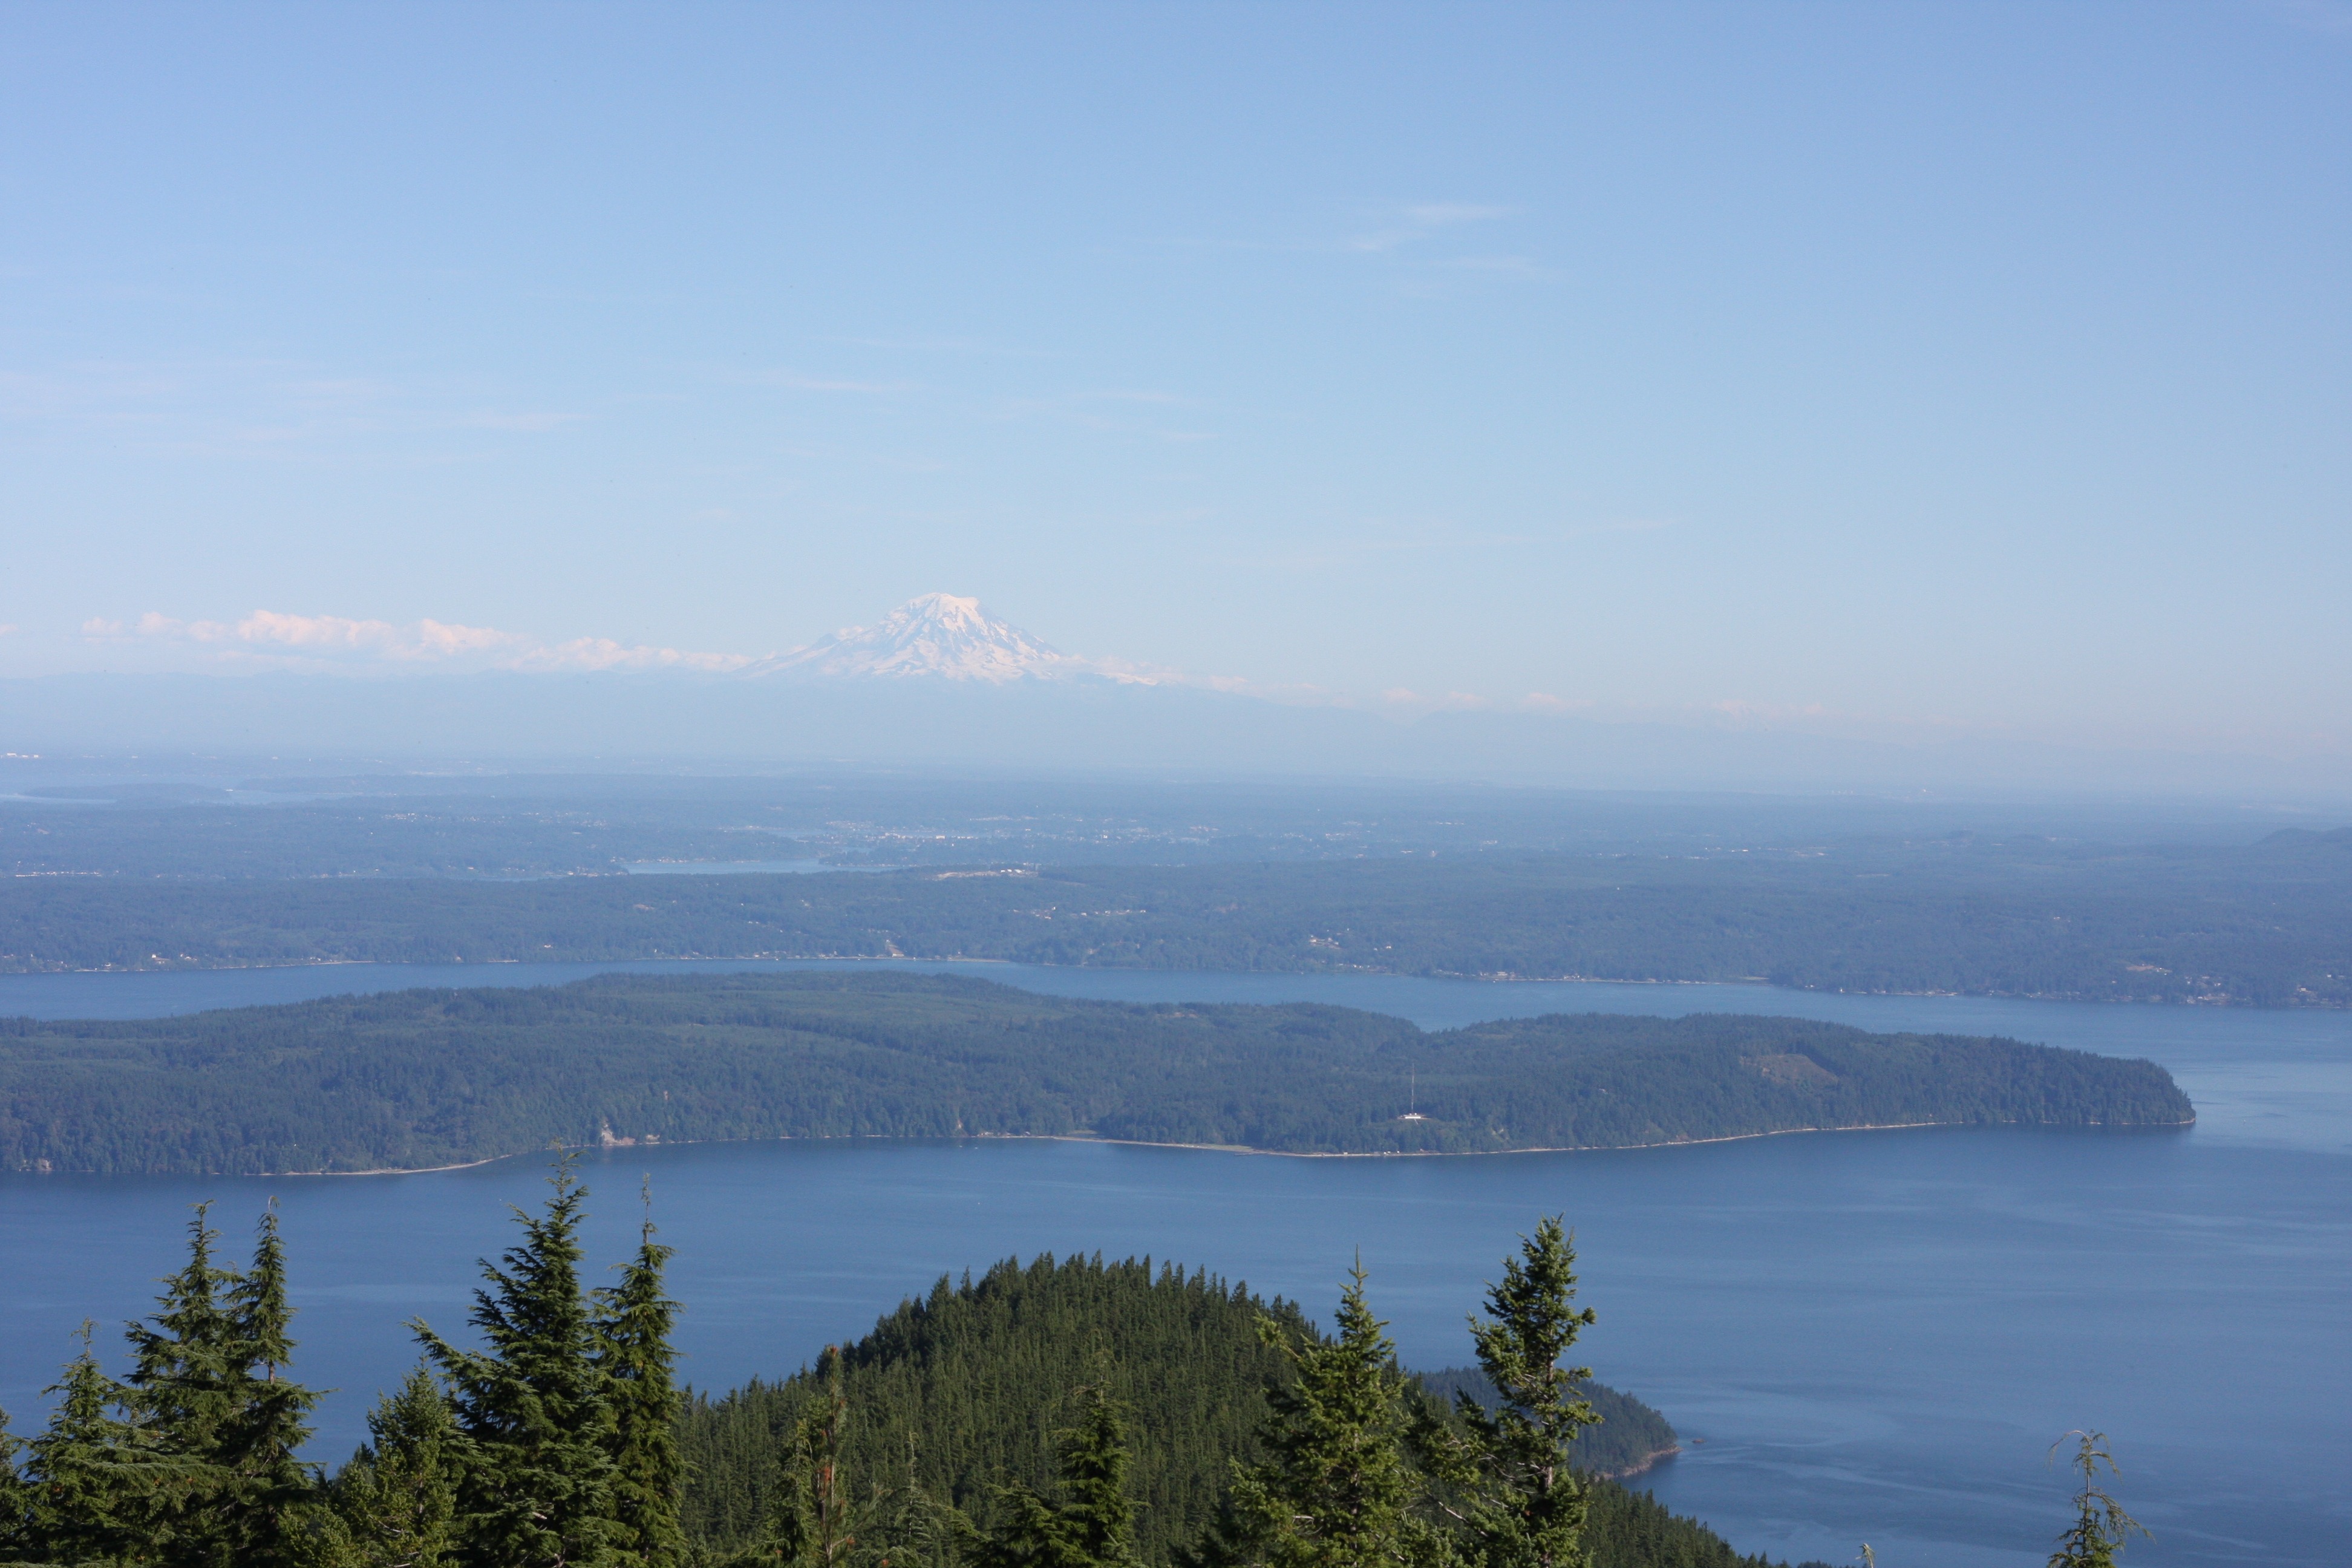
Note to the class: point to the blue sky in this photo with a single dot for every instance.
(1844, 366)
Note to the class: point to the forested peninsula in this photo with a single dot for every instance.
(424, 1078)
(2265, 926)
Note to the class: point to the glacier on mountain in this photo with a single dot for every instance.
(945, 636)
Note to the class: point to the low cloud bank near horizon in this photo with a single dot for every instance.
(328, 646)
(271, 639)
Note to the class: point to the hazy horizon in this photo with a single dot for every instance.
(1953, 379)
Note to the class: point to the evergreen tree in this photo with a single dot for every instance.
(92, 1480)
(1508, 1488)
(13, 1497)
(633, 1328)
(2101, 1526)
(398, 1497)
(916, 1529)
(1334, 1489)
(814, 1520)
(1094, 1524)
(271, 1495)
(181, 1390)
(535, 1425)
(208, 1390)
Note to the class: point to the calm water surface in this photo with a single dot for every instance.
(1876, 1335)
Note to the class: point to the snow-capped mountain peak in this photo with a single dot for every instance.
(940, 635)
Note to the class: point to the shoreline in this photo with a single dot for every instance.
(1111, 969)
(1648, 1462)
(1497, 978)
(1243, 1149)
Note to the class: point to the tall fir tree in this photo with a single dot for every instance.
(181, 1391)
(398, 1496)
(1505, 1482)
(210, 1391)
(96, 1487)
(272, 1498)
(816, 1518)
(535, 1419)
(13, 1495)
(1335, 1489)
(632, 1323)
(1093, 1524)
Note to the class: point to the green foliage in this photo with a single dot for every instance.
(1629, 1437)
(431, 1077)
(398, 1495)
(536, 1428)
(2101, 1526)
(1504, 1469)
(963, 1391)
(94, 1483)
(1633, 1530)
(1092, 1525)
(1334, 1489)
(632, 1327)
(183, 1390)
(14, 1499)
(211, 1416)
(816, 1516)
(263, 1515)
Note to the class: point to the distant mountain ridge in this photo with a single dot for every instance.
(942, 637)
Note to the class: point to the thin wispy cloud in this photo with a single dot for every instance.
(1509, 266)
(1391, 536)
(943, 345)
(268, 639)
(254, 408)
(1423, 221)
(1104, 410)
(530, 423)
(796, 382)
(1438, 214)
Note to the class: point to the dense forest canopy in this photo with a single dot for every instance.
(2267, 925)
(973, 1382)
(432, 1078)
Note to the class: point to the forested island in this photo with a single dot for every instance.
(2268, 925)
(425, 1079)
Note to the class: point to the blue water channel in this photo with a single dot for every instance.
(1869, 1336)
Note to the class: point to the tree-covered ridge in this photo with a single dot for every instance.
(968, 1387)
(431, 1077)
(969, 1383)
(2267, 925)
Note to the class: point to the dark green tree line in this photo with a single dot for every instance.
(554, 1444)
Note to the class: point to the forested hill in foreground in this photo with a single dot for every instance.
(433, 1078)
(2265, 925)
(973, 1381)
